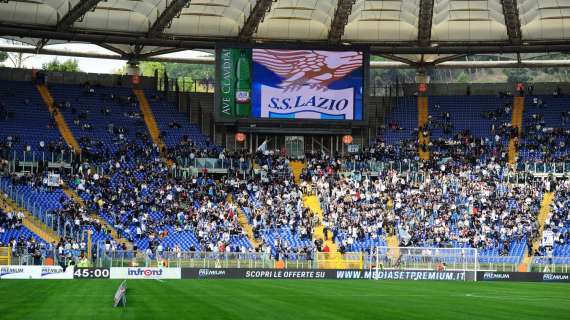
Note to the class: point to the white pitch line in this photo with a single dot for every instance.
(467, 295)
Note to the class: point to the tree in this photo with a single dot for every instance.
(70, 65)
(148, 67)
(463, 77)
(17, 59)
(120, 71)
(518, 75)
(3, 56)
(190, 77)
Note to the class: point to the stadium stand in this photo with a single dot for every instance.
(101, 118)
(26, 121)
(557, 222)
(289, 210)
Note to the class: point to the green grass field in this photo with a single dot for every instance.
(283, 299)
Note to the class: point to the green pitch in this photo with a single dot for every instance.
(282, 299)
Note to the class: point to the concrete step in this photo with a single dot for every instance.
(243, 221)
(77, 199)
(59, 119)
(30, 221)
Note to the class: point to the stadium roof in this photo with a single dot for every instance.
(141, 29)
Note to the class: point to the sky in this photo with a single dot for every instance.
(90, 65)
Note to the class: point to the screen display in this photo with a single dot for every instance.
(290, 84)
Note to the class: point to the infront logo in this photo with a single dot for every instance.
(144, 272)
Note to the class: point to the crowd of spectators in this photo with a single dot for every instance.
(558, 222)
(275, 203)
(12, 221)
(142, 200)
(454, 204)
(461, 198)
(543, 142)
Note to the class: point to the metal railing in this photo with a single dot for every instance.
(199, 260)
(547, 167)
(28, 161)
(550, 264)
(333, 260)
(390, 259)
(49, 257)
(213, 163)
(49, 219)
(402, 166)
(184, 84)
(381, 166)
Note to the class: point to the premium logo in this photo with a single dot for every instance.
(144, 272)
(211, 273)
(47, 271)
(10, 270)
(555, 277)
(496, 276)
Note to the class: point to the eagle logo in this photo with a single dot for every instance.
(313, 68)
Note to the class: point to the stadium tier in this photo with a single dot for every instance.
(25, 120)
(193, 154)
(392, 159)
(174, 124)
(101, 118)
(132, 200)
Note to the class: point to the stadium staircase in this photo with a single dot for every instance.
(312, 202)
(150, 121)
(59, 119)
(518, 110)
(297, 167)
(77, 199)
(5, 256)
(333, 259)
(543, 214)
(30, 222)
(244, 222)
(394, 246)
(422, 120)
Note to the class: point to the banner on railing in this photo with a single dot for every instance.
(35, 272)
(234, 273)
(145, 273)
(523, 276)
(53, 180)
(56, 272)
(19, 272)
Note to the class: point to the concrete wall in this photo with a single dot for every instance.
(108, 80)
(434, 89)
(459, 89)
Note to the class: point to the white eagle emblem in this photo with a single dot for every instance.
(313, 68)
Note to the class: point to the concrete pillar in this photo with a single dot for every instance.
(422, 79)
(133, 68)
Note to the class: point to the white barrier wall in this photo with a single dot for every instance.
(145, 273)
(35, 272)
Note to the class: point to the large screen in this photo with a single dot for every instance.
(290, 84)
